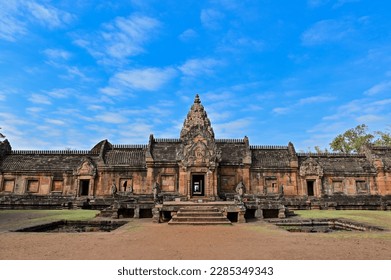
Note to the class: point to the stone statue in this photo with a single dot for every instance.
(239, 191)
(113, 189)
(156, 191)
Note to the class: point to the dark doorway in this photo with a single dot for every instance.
(145, 213)
(197, 185)
(310, 188)
(232, 217)
(270, 213)
(84, 187)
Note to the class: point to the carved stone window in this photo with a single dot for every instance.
(8, 185)
(338, 186)
(227, 183)
(361, 186)
(32, 185)
(168, 183)
(271, 185)
(126, 185)
(57, 185)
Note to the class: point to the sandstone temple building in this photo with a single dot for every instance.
(158, 178)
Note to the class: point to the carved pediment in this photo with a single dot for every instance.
(86, 168)
(310, 167)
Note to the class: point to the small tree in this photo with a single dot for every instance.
(1, 135)
(384, 140)
(352, 140)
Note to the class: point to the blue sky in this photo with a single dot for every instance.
(77, 72)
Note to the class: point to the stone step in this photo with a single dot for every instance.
(200, 223)
(197, 219)
(199, 214)
(199, 210)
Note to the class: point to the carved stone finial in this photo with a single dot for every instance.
(197, 99)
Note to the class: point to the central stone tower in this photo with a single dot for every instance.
(198, 155)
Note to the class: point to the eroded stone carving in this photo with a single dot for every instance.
(198, 147)
(311, 167)
(86, 168)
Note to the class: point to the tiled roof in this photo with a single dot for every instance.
(165, 151)
(341, 163)
(232, 151)
(42, 162)
(270, 157)
(134, 157)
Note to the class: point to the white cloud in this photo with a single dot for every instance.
(211, 18)
(378, 88)
(230, 129)
(303, 102)
(281, 110)
(327, 31)
(11, 28)
(149, 79)
(48, 15)
(315, 99)
(121, 38)
(188, 35)
(199, 67)
(40, 99)
(55, 54)
(369, 118)
(111, 117)
(55, 122)
(16, 17)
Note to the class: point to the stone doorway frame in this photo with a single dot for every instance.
(201, 180)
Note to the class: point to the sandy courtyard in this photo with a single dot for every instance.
(143, 239)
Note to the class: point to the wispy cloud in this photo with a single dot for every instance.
(16, 16)
(55, 54)
(111, 117)
(199, 67)
(188, 35)
(149, 79)
(49, 16)
(40, 99)
(121, 38)
(10, 27)
(379, 88)
(211, 18)
(327, 31)
(303, 102)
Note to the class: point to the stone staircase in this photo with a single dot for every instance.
(199, 215)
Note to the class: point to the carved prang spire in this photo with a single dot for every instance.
(197, 121)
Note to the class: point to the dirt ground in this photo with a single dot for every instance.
(144, 240)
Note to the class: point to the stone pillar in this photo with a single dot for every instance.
(137, 212)
(241, 218)
(259, 213)
(281, 212)
(156, 212)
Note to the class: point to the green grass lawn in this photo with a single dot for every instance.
(14, 219)
(376, 218)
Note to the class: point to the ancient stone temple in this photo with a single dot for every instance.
(163, 177)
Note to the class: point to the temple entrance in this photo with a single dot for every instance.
(197, 185)
(84, 187)
(310, 187)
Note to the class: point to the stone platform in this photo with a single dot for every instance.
(199, 212)
(199, 215)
